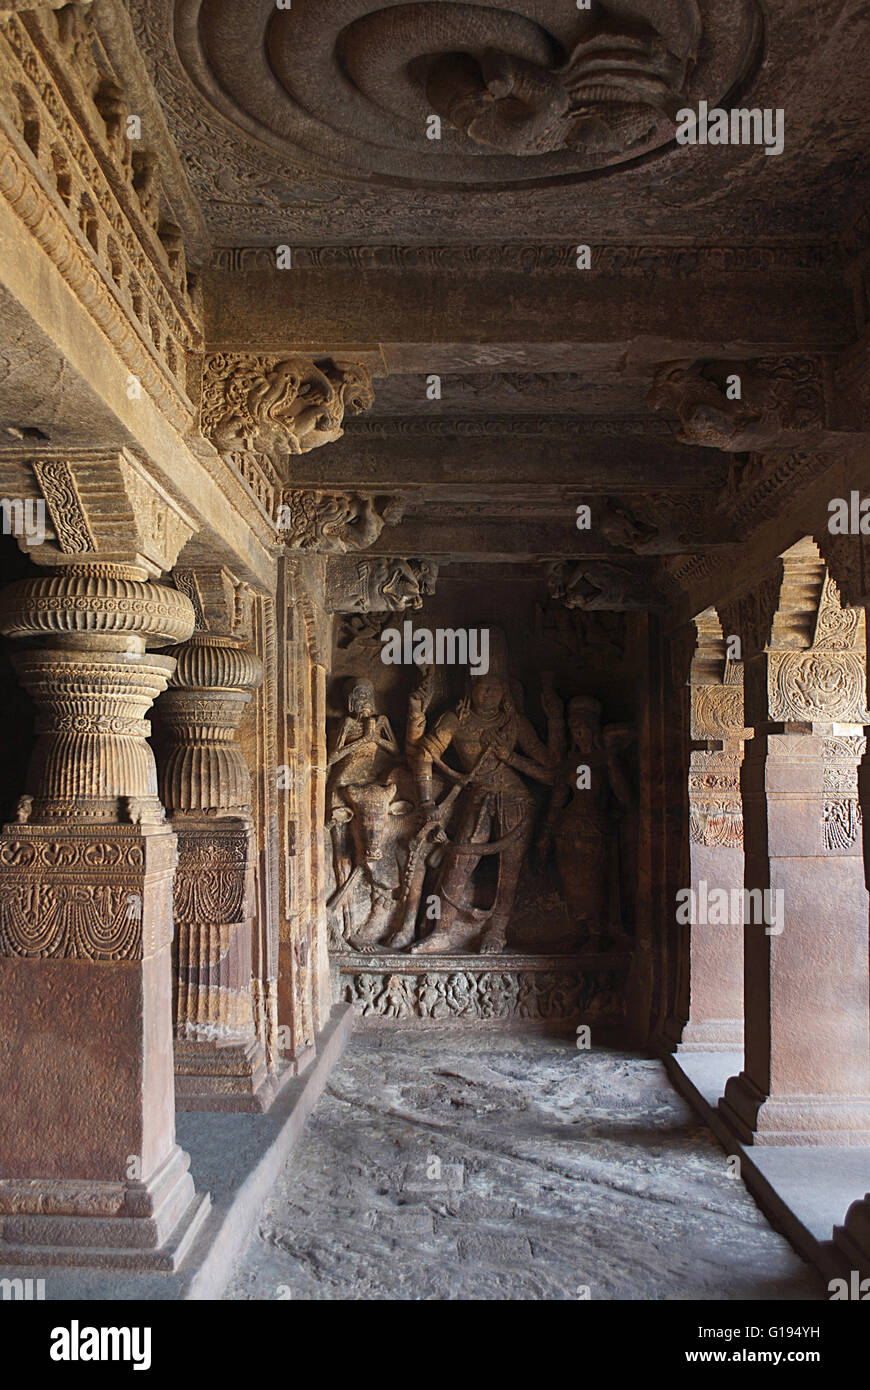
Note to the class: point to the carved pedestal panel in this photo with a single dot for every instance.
(219, 1060)
(91, 1170)
(553, 993)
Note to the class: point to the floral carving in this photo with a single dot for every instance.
(841, 822)
(57, 485)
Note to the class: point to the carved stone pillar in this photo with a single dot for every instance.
(91, 1170)
(715, 1022)
(806, 1076)
(205, 783)
(849, 559)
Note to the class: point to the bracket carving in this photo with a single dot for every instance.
(279, 405)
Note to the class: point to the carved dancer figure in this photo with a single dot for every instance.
(495, 812)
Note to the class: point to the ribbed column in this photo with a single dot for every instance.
(205, 770)
(91, 1170)
(93, 683)
(206, 786)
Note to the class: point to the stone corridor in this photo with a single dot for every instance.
(451, 1164)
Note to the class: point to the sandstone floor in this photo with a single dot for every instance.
(463, 1165)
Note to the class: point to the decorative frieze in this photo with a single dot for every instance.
(77, 898)
(215, 874)
(70, 172)
(638, 260)
(560, 989)
(715, 808)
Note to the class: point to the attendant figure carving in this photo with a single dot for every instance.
(581, 820)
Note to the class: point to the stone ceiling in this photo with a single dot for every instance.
(310, 126)
(311, 122)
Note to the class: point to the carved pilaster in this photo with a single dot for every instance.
(717, 729)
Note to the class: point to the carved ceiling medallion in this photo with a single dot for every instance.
(540, 92)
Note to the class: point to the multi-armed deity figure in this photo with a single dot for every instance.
(589, 791)
(495, 811)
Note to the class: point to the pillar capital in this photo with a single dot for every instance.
(91, 506)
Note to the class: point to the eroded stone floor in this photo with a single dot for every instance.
(458, 1165)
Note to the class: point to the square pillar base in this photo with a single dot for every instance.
(231, 1077)
(132, 1225)
(757, 1118)
(713, 1035)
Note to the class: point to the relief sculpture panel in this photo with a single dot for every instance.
(462, 824)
